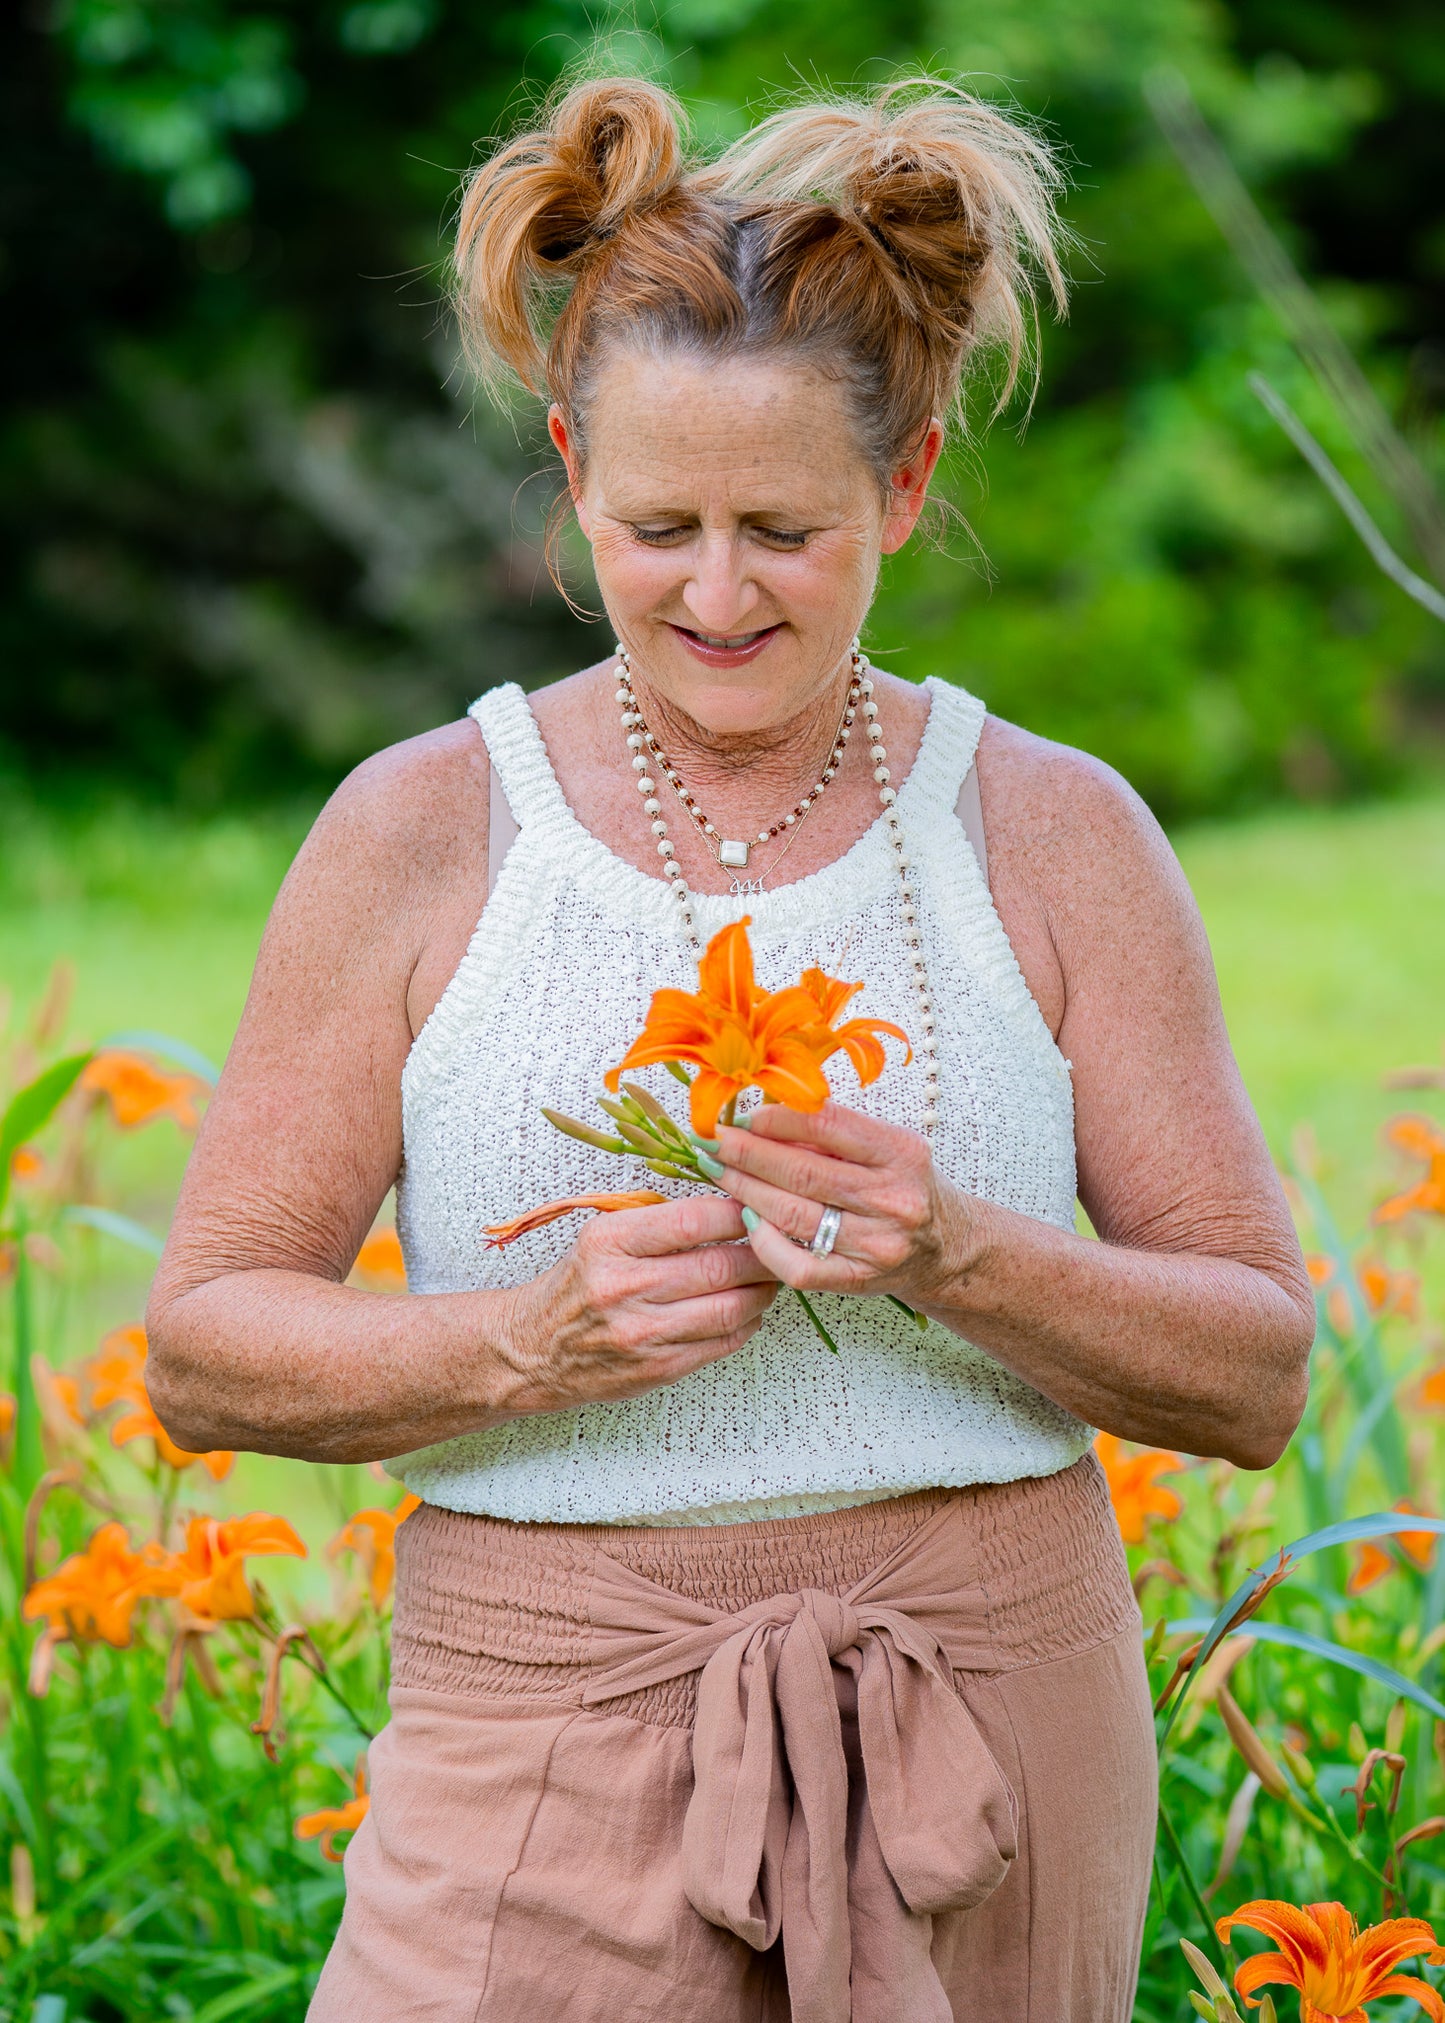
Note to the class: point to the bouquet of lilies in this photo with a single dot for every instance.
(733, 1036)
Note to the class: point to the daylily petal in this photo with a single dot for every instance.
(1411, 1984)
(1265, 1969)
(500, 1234)
(725, 973)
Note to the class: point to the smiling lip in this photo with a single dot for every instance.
(737, 652)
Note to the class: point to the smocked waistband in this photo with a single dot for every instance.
(492, 1609)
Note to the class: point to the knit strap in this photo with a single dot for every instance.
(946, 755)
(518, 756)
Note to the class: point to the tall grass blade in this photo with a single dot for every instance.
(169, 1049)
(1381, 553)
(32, 1107)
(119, 1226)
(1335, 1654)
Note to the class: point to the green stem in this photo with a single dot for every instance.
(1181, 1862)
(818, 1325)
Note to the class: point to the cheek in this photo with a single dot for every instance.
(630, 574)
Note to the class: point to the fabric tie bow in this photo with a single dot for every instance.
(771, 1823)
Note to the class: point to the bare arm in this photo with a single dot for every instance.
(255, 1341)
(1189, 1323)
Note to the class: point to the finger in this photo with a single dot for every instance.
(798, 1217)
(672, 1226)
(835, 1129)
(698, 1320)
(798, 1170)
(692, 1274)
(799, 1268)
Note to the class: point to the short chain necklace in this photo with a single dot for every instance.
(732, 853)
(926, 1045)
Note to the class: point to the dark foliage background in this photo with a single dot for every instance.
(254, 527)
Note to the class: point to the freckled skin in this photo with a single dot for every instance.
(726, 498)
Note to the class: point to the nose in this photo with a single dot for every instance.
(719, 595)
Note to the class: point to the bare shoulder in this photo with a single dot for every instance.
(400, 834)
(1068, 829)
(402, 818)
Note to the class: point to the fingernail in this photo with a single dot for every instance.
(711, 1167)
(742, 1123)
(705, 1144)
(751, 1219)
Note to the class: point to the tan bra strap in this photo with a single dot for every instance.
(501, 831)
(969, 810)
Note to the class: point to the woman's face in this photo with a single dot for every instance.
(735, 529)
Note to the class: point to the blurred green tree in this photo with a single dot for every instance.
(256, 525)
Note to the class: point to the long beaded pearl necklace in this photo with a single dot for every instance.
(732, 853)
(861, 684)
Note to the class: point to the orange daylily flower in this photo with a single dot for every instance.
(139, 1092)
(737, 1036)
(740, 1037)
(1432, 1390)
(371, 1534)
(1373, 1562)
(1422, 1140)
(1134, 1489)
(1336, 1967)
(92, 1596)
(334, 1819)
(209, 1576)
(857, 1038)
(1321, 1269)
(500, 1234)
(7, 1415)
(26, 1165)
(117, 1377)
(1386, 1291)
(379, 1262)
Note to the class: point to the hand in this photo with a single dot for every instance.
(905, 1230)
(643, 1296)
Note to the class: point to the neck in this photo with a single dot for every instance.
(777, 761)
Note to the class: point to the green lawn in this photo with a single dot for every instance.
(1328, 929)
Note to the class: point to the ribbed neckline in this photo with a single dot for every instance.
(832, 893)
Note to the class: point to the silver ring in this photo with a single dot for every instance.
(829, 1224)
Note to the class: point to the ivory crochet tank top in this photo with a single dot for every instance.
(551, 991)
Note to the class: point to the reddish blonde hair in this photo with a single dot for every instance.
(886, 240)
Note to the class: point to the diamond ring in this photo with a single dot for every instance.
(829, 1224)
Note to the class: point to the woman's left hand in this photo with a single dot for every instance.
(905, 1230)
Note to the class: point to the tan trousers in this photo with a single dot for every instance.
(887, 1765)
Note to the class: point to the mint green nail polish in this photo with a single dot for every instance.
(742, 1123)
(711, 1167)
(751, 1219)
(705, 1144)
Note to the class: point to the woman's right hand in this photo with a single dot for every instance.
(643, 1296)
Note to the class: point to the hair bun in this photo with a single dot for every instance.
(535, 211)
(615, 149)
(959, 198)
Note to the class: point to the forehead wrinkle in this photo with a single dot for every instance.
(667, 437)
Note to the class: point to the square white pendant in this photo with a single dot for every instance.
(733, 856)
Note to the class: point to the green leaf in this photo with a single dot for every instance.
(1381, 1524)
(1322, 1647)
(237, 2000)
(168, 1049)
(118, 1226)
(33, 1106)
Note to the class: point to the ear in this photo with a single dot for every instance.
(567, 450)
(909, 489)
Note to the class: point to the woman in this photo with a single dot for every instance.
(732, 1678)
